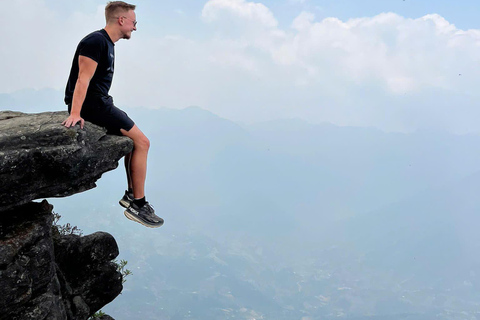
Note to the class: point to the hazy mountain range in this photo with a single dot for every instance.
(290, 220)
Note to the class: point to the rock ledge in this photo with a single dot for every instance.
(40, 158)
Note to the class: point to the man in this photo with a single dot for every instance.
(87, 98)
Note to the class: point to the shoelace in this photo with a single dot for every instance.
(151, 211)
(149, 208)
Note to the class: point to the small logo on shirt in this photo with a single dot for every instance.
(113, 60)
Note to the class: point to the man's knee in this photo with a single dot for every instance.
(140, 141)
(145, 142)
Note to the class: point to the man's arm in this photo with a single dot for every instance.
(86, 70)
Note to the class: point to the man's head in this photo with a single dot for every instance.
(121, 15)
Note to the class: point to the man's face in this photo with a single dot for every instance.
(129, 24)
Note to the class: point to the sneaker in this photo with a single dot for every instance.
(127, 199)
(144, 215)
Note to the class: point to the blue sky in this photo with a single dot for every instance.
(394, 65)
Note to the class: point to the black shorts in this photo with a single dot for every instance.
(101, 111)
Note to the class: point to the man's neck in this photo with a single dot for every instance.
(114, 34)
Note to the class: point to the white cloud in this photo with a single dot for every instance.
(248, 11)
(303, 21)
(406, 55)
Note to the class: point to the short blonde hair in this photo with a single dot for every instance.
(115, 8)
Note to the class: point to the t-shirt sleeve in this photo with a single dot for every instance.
(92, 48)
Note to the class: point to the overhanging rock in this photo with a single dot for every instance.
(40, 158)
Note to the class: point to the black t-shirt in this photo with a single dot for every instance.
(99, 47)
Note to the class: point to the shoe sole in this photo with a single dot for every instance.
(124, 203)
(137, 219)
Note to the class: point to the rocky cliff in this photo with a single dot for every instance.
(45, 275)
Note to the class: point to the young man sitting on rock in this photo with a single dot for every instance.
(87, 98)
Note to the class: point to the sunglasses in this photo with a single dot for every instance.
(134, 21)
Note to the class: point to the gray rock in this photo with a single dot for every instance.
(45, 275)
(41, 158)
(30, 288)
(87, 268)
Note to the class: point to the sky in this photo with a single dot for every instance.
(390, 64)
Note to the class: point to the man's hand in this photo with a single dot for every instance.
(72, 121)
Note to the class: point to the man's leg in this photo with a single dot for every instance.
(138, 160)
(139, 210)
